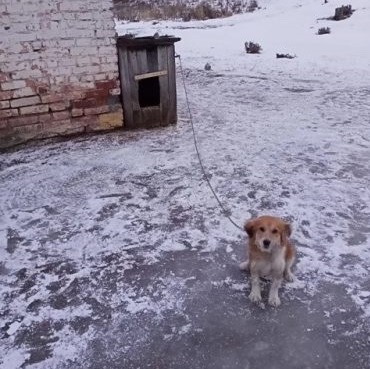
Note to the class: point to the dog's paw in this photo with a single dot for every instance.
(289, 277)
(274, 301)
(244, 265)
(255, 296)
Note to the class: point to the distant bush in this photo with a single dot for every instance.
(345, 11)
(323, 31)
(135, 10)
(285, 56)
(253, 5)
(252, 48)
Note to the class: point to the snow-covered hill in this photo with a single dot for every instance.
(181, 9)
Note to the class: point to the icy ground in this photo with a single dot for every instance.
(114, 253)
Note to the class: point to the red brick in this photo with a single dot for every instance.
(5, 104)
(98, 110)
(52, 98)
(82, 104)
(75, 95)
(22, 121)
(43, 118)
(61, 115)
(77, 112)
(29, 128)
(98, 94)
(25, 101)
(6, 95)
(4, 124)
(34, 109)
(106, 85)
(8, 113)
(59, 106)
(42, 90)
(86, 121)
(4, 77)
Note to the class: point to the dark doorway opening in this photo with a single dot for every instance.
(149, 92)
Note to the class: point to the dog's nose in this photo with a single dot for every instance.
(266, 243)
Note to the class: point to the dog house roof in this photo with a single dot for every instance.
(142, 42)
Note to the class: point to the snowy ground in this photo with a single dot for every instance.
(115, 255)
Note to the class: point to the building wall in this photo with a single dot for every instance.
(58, 69)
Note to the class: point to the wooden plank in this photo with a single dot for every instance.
(126, 87)
(160, 73)
(152, 57)
(134, 87)
(151, 117)
(144, 42)
(172, 109)
(163, 84)
(142, 61)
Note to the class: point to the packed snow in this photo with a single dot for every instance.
(94, 231)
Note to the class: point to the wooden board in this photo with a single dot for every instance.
(172, 109)
(160, 73)
(163, 84)
(126, 88)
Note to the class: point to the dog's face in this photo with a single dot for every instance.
(268, 233)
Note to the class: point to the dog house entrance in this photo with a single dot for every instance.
(149, 92)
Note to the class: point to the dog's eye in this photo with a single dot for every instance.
(274, 231)
(262, 229)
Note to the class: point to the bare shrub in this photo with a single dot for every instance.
(205, 11)
(344, 12)
(285, 56)
(253, 5)
(134, 10)
(252, 48)
(323, 31)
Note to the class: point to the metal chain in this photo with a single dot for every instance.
(225, 212)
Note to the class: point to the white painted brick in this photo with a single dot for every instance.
(108, 68)
(107, 50)
(51, 45)
(87, 69)
(100, 77)
(87, 78)
(105, 33)
(13, 85)
(23, 92)
(85, 42)
(83, 60)
(26, 74)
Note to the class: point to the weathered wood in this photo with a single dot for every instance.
(134, 86)
(142, 61)
(172, 110)
(160, 73)
(126, 88)
(163, 83)
(138, 66)
(145, 42)
(152, 56)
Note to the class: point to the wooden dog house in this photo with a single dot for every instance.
(148, 80)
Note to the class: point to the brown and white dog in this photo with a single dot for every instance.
(270, 255)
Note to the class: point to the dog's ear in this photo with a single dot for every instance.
(249, 227)
(287, 229)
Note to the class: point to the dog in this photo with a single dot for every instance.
(269, 255)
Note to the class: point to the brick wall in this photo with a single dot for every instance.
(58, 69)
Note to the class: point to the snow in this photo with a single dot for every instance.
(287, 137)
